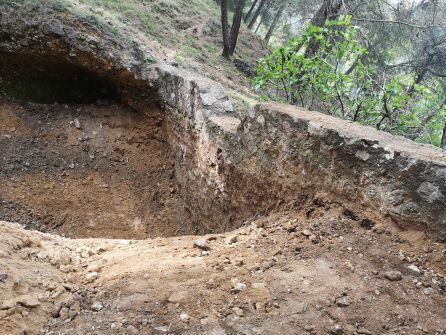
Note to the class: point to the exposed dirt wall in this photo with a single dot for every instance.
(228, 167)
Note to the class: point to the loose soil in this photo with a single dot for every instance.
(323, 270)
(89, 171)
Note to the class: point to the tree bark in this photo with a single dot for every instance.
(443, 138)
(236, 22)
(273, 26)
(245, 19)
(230, 37)
(329, 10)
(256, 14)
(225, 28)
(258, 26)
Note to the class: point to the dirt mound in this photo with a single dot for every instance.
(89, 171)
(319, 271)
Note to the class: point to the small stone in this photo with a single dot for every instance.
(238, 287)
(72, 314)
(97, 306)
(76, 307)
(77, 123)
(238, 311)
(364, 331)
(28, 301)
(94, 267)
(343, 302)
(184, 317)
(233, 239)
(393, 275)
(132, 330)
(8, 304)
(163, 329)
(3, 277)
(428, 290)
(201, 244)
(309, 328)
(337, 330)
(56, 309)
(313, 238)
(114, 325)
(307, 233)
(92, 276)
(291, 226)
(64, 313)
(414, 269)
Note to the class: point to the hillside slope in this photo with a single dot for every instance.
(184, 33)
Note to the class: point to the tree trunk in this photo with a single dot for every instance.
(443, 138)
(329, 10)
(230, 37)
(236, 22)
(256, 14)
(245, 19)
(225, 28)
(273, 26)
(258, 26)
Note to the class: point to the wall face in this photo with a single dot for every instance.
(277, 157)
(366, 170)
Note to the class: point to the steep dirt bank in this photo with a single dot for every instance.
(320, 271)
(89, 171)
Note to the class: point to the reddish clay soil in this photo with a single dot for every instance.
(89, 171)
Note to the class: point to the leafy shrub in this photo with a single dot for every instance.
(327, 69)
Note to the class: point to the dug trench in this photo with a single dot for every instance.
(311, 225)
(78, 162)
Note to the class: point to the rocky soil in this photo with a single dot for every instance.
(121, 257)
(323, 270)
(89, 171)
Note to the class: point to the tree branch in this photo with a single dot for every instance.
(413, 25)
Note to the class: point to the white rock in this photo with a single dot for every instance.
(163, 329)
(238, 311)
(414, 269)
(184, 317)
(77, 123)
(201, 244)
(238, 287)
(307, 233)
(97, 306)
(92, 276)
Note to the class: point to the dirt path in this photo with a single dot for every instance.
(322, 271)
(88, 171)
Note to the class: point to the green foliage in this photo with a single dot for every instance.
(325, 68)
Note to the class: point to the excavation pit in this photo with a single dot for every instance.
(78, 162)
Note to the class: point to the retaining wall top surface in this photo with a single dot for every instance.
(355, 131)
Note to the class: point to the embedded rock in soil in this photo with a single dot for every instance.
(51, 182)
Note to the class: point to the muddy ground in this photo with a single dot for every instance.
(89, 171)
